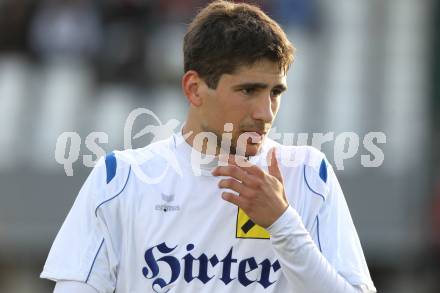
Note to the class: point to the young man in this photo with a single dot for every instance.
(237, 214)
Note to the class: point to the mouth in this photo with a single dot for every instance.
(255, 136)
(258, 131)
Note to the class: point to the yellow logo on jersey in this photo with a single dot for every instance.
(245, 228)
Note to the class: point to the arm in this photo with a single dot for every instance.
(301, 261)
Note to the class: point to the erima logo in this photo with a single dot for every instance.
(167, 198)
(162, 257)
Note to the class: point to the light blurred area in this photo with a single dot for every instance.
(361, 66)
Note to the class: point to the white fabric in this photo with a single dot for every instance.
(157, 226)
(73, 287)
(310, 272)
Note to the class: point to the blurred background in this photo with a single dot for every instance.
(361, 66)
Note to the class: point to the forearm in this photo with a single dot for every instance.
(305, 267)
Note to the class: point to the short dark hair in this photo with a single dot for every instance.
(226, 35)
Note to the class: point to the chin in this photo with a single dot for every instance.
(252, 149)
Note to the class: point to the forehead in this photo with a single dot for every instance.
(263, 71)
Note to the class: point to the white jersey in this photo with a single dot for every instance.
(147, 220)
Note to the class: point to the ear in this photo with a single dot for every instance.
(191, 86)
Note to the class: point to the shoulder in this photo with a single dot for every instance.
(299, 155)
(151, 154)
(119, 171)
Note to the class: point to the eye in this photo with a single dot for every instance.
(276, 93)
(248, 91)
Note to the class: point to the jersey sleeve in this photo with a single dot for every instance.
(73, 286)
(338, 238)
(82, 249)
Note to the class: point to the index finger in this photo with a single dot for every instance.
(247, 167)
(272, 165)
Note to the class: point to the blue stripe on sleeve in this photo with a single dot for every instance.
(317, 232)
(94, 259)
(310, 188)
(107, 200)
(323, 171)
(110, 165)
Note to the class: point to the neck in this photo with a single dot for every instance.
(190, 132)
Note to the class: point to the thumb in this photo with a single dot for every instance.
(272, 165)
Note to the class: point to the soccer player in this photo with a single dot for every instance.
(217, 207)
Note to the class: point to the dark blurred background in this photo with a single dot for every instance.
(361, 66)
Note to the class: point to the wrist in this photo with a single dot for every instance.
(287, 216)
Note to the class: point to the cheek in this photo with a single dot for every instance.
(217, 114)
(233, 107)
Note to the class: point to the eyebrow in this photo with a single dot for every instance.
(259, 85)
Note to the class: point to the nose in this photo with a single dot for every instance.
(263, 109)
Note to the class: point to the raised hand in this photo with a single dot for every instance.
(261, 195)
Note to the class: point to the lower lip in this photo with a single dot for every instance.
(254, 137)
